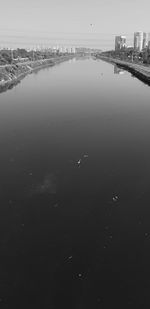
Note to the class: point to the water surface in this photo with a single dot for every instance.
(74, 189)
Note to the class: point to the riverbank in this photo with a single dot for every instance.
(12, 74)
(141, 71)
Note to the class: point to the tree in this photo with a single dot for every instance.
(6, 55)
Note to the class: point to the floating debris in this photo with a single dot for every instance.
(70, 257)
(30, 174)
(85, 156)
(79, 275)
(146, 234)
(115, 198)
(55, 205)
(99, 300)
(79, 162)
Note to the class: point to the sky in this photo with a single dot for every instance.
(91, 23)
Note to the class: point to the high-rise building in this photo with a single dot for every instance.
(120, 42)
(148, 41)
(73, 50)
(145, 40)
(138, 41)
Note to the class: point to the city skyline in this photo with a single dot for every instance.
(140, 40)
(87, 23)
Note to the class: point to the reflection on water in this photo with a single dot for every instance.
(118, 70)
(74, 189)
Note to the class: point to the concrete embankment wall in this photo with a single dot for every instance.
(140, 71)
(12, 74)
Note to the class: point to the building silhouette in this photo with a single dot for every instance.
(145, 40)
(138, 41)
(120, 42)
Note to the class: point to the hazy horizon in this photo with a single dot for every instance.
(87, 23)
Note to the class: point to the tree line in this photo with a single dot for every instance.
(8, 56)
(129, 54)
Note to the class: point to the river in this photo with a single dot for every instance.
(74, 189)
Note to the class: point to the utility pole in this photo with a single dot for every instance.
(11, 53)
(33, 55)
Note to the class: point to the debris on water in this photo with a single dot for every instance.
(79, 275)
(85, 156)
(146, 234)
(115, 198)
(55, 205)
(110, 237)
(30, 174)
(70, 257)
(79, 162)
(22, 224)
(105, 247)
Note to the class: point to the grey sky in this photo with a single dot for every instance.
(68, 22)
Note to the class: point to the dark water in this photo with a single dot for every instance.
(74, 189)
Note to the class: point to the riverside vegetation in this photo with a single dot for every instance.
(14, 65)
(138, 63)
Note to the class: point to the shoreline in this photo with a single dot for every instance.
(138, 70)
(12, 74)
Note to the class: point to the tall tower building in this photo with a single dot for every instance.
(148, 40)
(145, 40)
(120, 42)
(138, 41)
